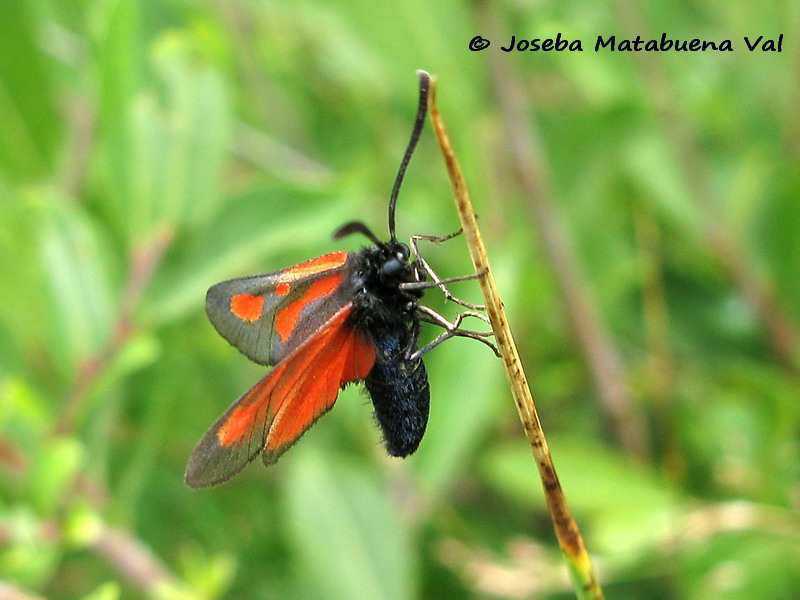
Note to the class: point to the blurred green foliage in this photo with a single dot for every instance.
(149, 149)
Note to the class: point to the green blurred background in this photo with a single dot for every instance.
(642, 214)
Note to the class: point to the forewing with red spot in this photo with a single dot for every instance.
(272, 415)
(267, 316)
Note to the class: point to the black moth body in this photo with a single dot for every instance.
(398, 382)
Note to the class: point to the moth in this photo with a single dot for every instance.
(332, 320)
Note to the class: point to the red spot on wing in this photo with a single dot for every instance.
(239, 422)
(255, 409)
(287, 317)
(247, 307)
(315, 266)
(282, 289)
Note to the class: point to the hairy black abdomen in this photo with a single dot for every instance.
(400, 394)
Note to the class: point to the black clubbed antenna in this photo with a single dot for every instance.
(419, 122)
(357, 227)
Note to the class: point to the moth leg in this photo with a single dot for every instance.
(413, 339)
(452, 329)
(435, 239)
(431, 316)
(420, 285)
(423, 269)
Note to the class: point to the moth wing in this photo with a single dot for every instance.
(267, 316)
(275, 412)
(320, 372)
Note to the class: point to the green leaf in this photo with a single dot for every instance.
(23, 413)
(620, 506)
(29, 127)
(652, 167)
(106, 591)
(27, 558)
(349, 541)
(740, 566)
(136, 354)
(82, 525)
(199, 126)
(164, 157)
(778, 229)
(78, 288)
(208, 576)
(118, 60)
(53, 471)
(22, 305)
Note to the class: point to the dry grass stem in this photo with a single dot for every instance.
(567, 532)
